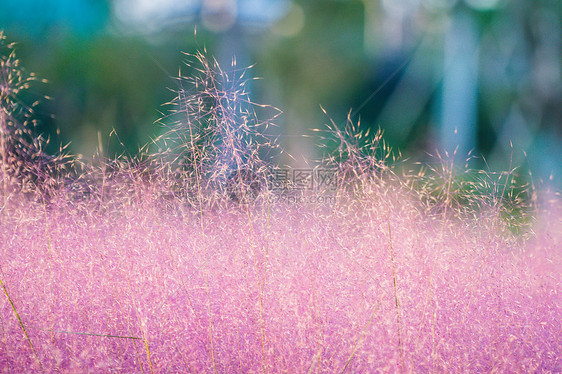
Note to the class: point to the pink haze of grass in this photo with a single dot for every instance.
(135, 266)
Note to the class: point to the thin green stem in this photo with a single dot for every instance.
(21, 324)
(397, 305)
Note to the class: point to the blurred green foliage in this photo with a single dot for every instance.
(381, 60)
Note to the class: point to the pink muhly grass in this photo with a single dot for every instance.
(187, 260)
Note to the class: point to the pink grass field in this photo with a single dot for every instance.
(135, 266)
(275, 289)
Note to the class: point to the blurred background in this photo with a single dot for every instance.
(474, 75)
